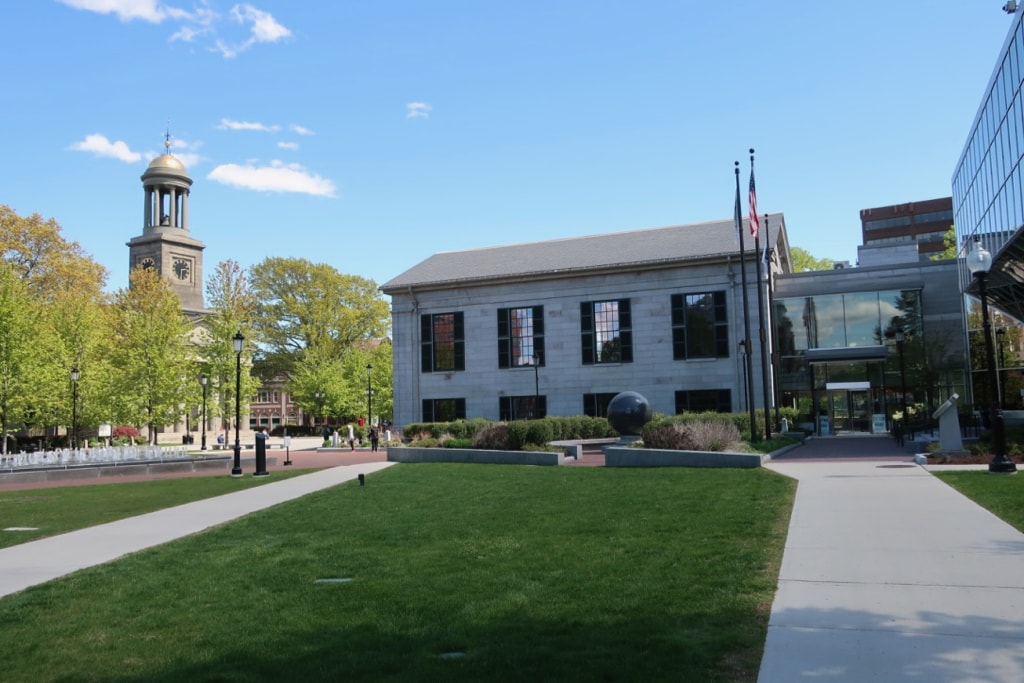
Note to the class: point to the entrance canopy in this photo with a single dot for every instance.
(845, 354)
(848, 386)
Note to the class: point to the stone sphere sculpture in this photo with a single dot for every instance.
(628, 412)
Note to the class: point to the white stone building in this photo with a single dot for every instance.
(561, 326)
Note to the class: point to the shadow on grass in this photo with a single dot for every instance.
(514, 648)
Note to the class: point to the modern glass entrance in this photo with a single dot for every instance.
(850, 410)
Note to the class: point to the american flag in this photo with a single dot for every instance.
(755, 225)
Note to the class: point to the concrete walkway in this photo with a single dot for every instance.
(39, 561)
(890, 575)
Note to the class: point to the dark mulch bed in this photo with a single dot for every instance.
(948, 459)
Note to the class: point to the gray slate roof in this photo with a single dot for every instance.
(579, 254)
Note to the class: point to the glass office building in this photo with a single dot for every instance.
(840, 361)
(988, 182)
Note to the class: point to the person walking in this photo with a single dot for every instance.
(374, 438)
(351, 437)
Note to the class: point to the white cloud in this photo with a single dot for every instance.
(102, 147)
(288, 145)
(126, 10)
(417, 110)
(301, 130)
(202, 22)
(229, 124)
(277, 177)
(263, 28)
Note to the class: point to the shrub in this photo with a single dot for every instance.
(517, 431)
(428, 442)
(538, 432)
(696, 435)
(493, 438)
(457, 443)
(126, 431)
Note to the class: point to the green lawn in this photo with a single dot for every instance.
(1001, 494)
(452, 573)
(52, 511)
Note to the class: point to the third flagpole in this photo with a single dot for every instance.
(754, 432)
(755, 229)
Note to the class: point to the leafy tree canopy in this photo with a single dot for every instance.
(949, 248)
(47, 262)
(803, 261)
(311, 309)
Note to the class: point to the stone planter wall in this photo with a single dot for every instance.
(616, 456)
(472, 455)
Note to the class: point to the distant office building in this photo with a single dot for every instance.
(923, 224)
(988, 182)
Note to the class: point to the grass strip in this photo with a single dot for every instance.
(59, 509)
(454, 572)
(1000, 494)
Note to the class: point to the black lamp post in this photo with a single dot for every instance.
(979, 261)
(369, 395)
(74, 407)
(536, 385)
(1001, 336)
(239, 341)
(900, 336)
(203, 379)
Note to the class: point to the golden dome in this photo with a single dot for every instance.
(167, 161)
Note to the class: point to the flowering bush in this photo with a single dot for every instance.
(127, 431)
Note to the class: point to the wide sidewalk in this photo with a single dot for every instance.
(32, 563)
(891, 575)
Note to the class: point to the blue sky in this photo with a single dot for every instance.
(370, 135)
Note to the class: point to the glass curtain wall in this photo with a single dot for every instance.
(850, 392)
(988, 182)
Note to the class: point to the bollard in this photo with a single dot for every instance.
(362, 480)
(261, 454)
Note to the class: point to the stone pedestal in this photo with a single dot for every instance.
(949, 426)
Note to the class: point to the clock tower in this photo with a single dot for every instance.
(165, 243)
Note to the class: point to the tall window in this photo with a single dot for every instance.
(700, 326)
(522, 407)
(704, 400)
(442, 342)
(520, 336)
(444, 409)
(596, 405)
(606, 332)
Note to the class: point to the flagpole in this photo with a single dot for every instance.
(773, 350)
(754, 433)
(758, 256)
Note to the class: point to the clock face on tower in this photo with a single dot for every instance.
(147, 263)
(182, 268)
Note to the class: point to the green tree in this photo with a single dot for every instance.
(803, 261)
(317, 385)
(306, 307)
(153, 355)
(19, 351)
(234, 309)
(78, 329)
(949, 248)
(46, 261)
